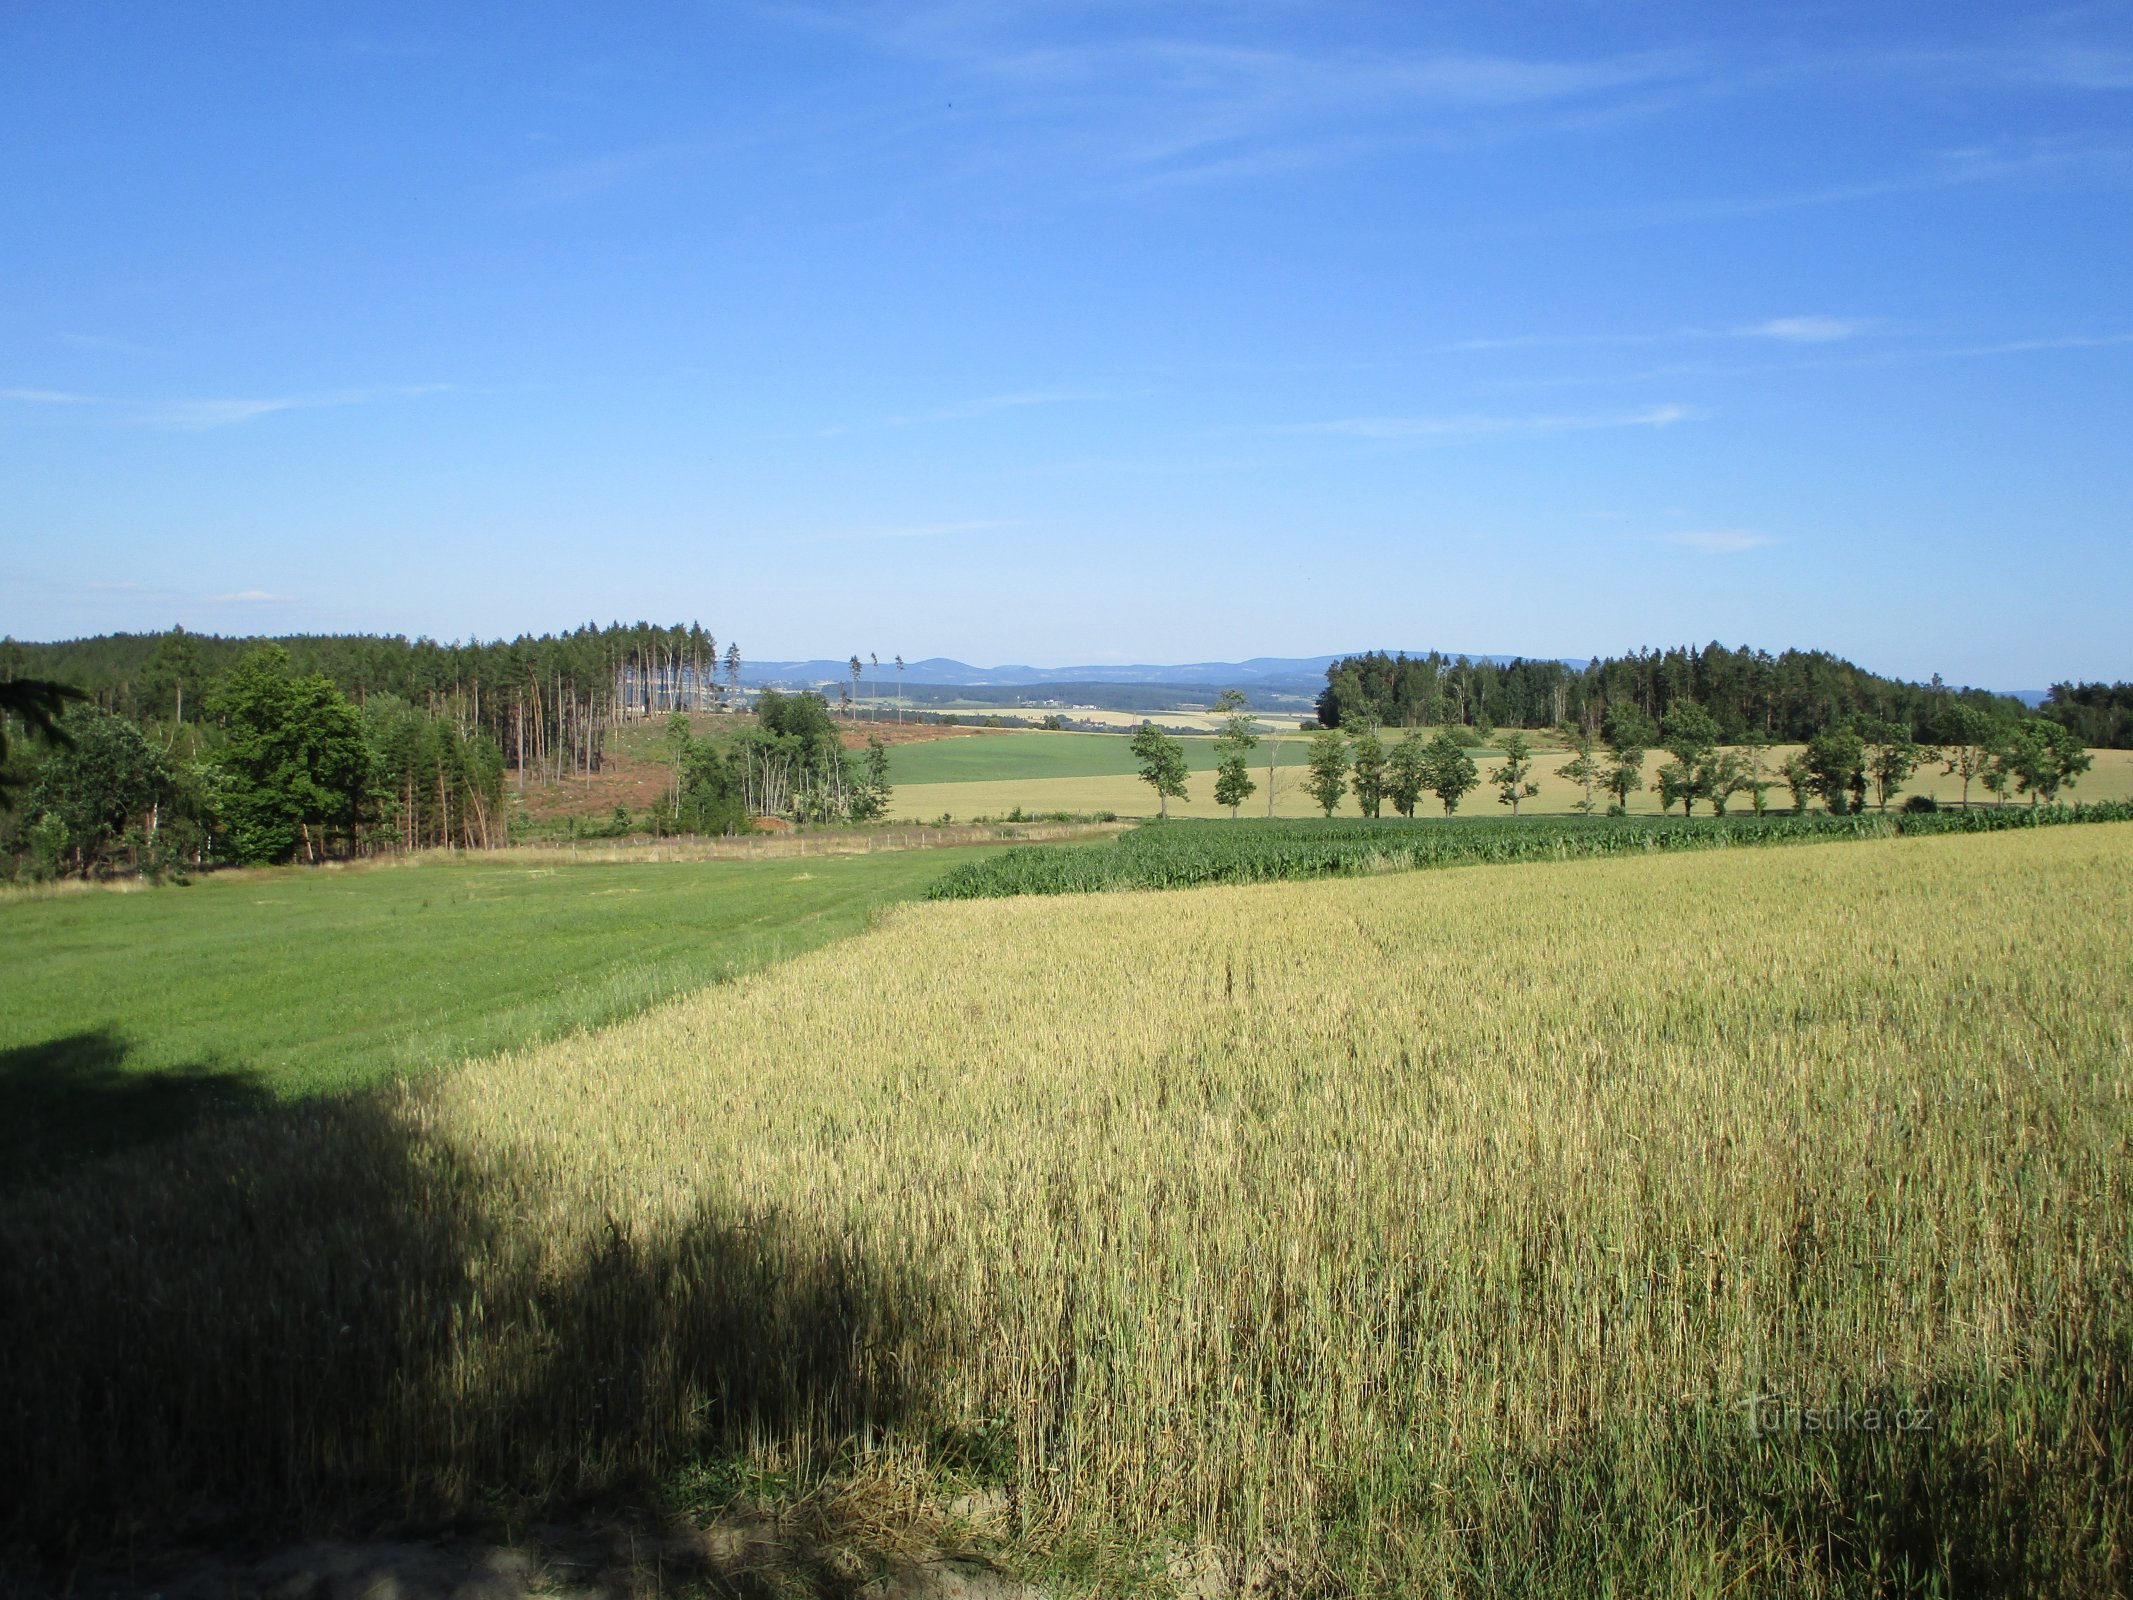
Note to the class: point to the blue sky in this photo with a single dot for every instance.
(1078, 332)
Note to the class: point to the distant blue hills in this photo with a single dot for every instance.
(1281, 674)
(1284, 676)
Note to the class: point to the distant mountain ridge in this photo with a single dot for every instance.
(1290, 674)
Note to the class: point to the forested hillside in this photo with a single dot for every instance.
(2100, 714)
(168, 752)
(547, 700)
(1787, 697)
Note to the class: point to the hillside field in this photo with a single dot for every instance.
(1021, 774)
(1750, 1222)
(125, 1014)
(996, 757)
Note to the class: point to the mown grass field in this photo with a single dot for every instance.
(124, 1015)
(1123, 793)
(1552, 1230)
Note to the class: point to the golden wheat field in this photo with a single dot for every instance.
(1752, 1222)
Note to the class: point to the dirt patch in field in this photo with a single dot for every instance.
(855, 735)
(640, 784)
(621, 781)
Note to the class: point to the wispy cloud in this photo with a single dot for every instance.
(1426, 429)
(243, 597)
(46, 397)
(1886, 356)
(1162, 102)
(192, 416)
(1716, 541)
(103, 342)
(2077, 67)
(1949, 169)
(1808, 330)
(1814, 329)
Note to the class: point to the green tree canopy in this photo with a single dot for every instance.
(294, 761)
(2043, 757)
(1326, 759)
(1367, 756)
(1404, 780)
(1448, 772)
(1162, 764)
(1835, 761)
(1512, 776)
(99, 791)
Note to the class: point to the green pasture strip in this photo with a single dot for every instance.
(127, 1016)
(991, 757)
(1186, 854)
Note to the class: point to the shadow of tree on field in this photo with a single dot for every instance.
(70, 1100)
(329, 1314)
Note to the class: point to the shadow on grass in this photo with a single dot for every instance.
(329, 1315)
(68, 1101)
(1962, 1505)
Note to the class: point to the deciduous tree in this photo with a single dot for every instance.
(1892, 755)
(1836, 760)
(1326, 758)
(1676, 783)
(1404, 781)
(1366, 759)
(1512, 777)
(1628, 733)
(1582, 769)
(1721, 775)
(1448, 772)
(1162, 764)
(103, 788)
(1973, 735)
(2044, 757)
(294, 761)
(1690, 734)
(1238, 737)
(1800, 779)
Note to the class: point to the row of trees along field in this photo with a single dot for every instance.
(268, 764)
(1851, 763)
(1787, 698)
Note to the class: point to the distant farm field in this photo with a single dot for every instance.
(994, 757)
(123, 1015)
(1024, 775)
(1746, 1222)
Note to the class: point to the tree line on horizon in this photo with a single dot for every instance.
(1787, 698)
(550, 700)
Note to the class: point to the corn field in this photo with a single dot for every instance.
(1193, 853)
(1748, 1222)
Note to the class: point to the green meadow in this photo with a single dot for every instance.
(127, 1016)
